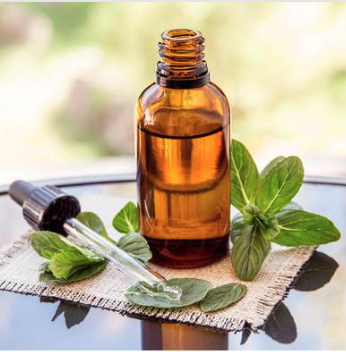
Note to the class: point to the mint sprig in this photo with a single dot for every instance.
(267, 213)
(69, 262)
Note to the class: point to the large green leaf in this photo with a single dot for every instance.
(47, 243)
(193, 291)
(93, 221)
(81, 274)
(301, 228)
(244, 175)
(222, 296)
(249, 251)
(127, 219)
(63, 265)
(280, 185)
(135, 245)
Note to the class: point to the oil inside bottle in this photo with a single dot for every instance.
(184, 187)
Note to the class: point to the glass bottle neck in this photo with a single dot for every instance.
(182, 63)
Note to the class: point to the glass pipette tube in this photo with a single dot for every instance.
(122, 260)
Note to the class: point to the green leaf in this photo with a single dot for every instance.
(135, 245)
(301, 228)
(250, 212)
(81, 274)
(47, 243)
(244, 175)
(93, 221)
(271, 165)
(193, 291)
(280, 185)
(88, 271)
(222, 296)
(237, 226)
(269, 233)
(127, 219)
(49, 278)
(249, 252)
(63, 265)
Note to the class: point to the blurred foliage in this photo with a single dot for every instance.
(70, 74)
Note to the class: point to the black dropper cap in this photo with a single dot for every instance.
(44, 208)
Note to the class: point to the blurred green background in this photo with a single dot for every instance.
(70, 74)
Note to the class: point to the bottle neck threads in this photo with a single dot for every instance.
(182, 63)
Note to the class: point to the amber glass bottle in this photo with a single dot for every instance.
(183, 138)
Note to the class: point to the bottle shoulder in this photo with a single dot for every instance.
(182, 111)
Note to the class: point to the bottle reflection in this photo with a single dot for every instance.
(157, 336)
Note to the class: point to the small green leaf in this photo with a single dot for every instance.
(93, 221)
(222, 296)
(127, 219)
(193, 291)
(81, 274)
(63, 265)
(280, 185)
(301, 228)
(47, 243)
(271, 165)
(49, 278)
(250, 212)
(135, 245)
(269, 226)
(249, 252)
(269, 233)
(244, 175)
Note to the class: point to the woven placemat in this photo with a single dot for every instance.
(19, 266)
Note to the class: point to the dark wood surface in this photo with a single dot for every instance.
(313, 316)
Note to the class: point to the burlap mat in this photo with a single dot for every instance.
(19, 266)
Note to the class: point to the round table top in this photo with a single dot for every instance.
(313, 316)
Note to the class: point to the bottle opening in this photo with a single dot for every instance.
(182, 63)
(181, 35)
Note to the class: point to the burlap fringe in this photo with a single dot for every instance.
(180, 316)
(272, 296)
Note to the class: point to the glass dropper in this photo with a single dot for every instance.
(127, 264)
(47, 208)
